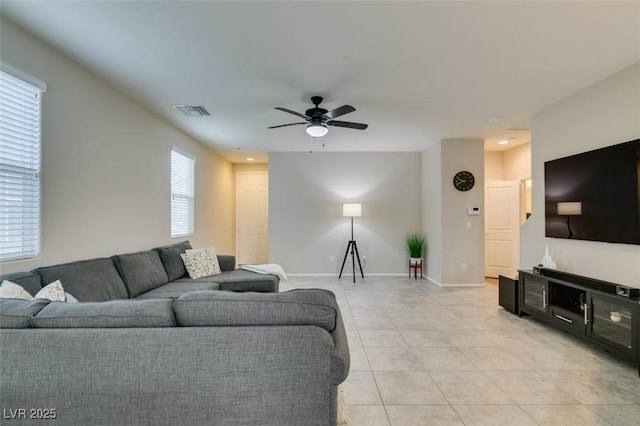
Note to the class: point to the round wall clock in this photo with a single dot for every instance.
(464, 180)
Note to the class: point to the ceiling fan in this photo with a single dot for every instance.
(317, 119)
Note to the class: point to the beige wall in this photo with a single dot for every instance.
(454, 237)
(106, 166)
(251, 167)
(512, 164)
(604, 114)
(463, 235)
(517, 162)
(432, 210)
(306, 193)
(494, 165)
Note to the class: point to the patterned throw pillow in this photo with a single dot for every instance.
(201, 262)
(11, 290)
(53, 292)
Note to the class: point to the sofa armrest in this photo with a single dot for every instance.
(227, 262)
(301, 307)
(340, 356)
(210, 308)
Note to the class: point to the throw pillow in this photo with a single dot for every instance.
(209, 255)
(69, 298)
(53, 292)
(201, 262)
(10, 290)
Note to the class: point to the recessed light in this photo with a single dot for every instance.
(503, 142)
(249, 159)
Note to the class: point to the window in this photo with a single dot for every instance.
(20, 122)
(182, 194)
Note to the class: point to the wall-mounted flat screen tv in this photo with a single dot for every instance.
(595, 195)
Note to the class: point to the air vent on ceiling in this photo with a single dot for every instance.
(192, 110)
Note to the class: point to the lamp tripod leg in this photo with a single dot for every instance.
(346, 253)
(355, 246)
(353, 261)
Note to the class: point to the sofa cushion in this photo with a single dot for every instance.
(227, 262)
(141, 271)
(94, 280)
(221, 308)
(30, 281)
(176, 289)
(17, 313)
(171, 260)
(113, 314)
(240, 280)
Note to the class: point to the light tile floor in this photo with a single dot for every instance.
(424, 355)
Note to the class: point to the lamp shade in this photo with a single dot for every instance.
(571, 208)
(317, 130)
(352, 209)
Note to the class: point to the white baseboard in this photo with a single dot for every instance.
(395, 274)
(446, 285)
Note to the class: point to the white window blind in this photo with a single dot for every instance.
(20, 118)
(182, 194)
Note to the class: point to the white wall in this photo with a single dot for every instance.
(461, 243)
(604, 114)
(445, 218)
(306, 193)
(432, 210)
(106, 166)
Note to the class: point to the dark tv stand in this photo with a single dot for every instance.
(601, 313)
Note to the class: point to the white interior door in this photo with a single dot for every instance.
(252, 217)
(502, 228)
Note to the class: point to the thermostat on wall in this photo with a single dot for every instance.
(473, 211)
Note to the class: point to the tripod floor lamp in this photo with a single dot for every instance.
(352, 210)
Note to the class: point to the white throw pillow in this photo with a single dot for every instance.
(53, 292)
(11, 290)
(201, 262)
(69, 298)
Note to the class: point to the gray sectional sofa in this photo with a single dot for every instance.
(147, 346)
(146, 274)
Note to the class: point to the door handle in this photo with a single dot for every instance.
(586, 316)
(564, 319)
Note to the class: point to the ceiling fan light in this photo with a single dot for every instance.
(317, 130)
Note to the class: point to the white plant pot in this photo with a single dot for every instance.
(415, 260)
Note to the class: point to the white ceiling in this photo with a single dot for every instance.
(417, 72)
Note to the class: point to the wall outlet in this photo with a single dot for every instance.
(364, 260)
(463, 266)
(332, 259)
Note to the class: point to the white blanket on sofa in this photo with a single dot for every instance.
(267, 268)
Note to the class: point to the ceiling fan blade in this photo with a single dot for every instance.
(291, 112)
(344, 109)
(285, 125)
(347, 124)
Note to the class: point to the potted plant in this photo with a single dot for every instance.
(415, 246)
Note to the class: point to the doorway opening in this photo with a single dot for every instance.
(507, 207)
